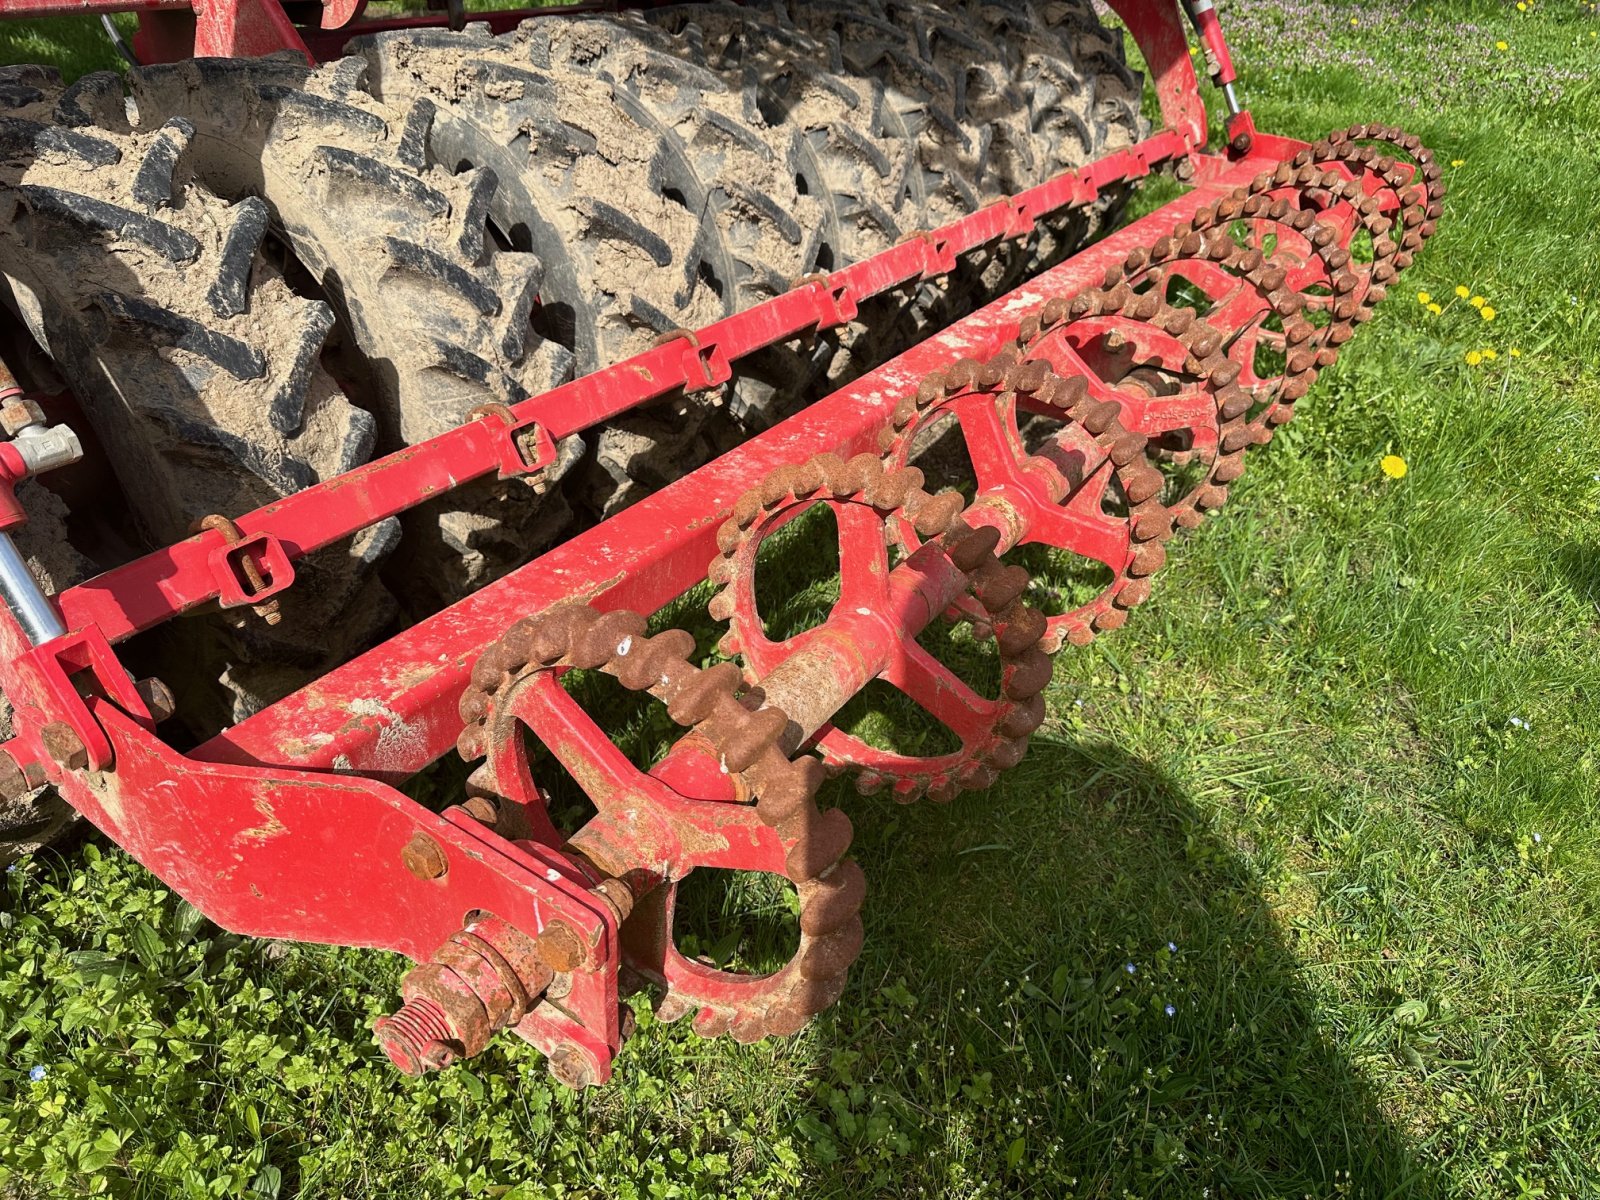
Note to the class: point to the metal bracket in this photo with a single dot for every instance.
(51, 668)
(524, 446)
(250, 570)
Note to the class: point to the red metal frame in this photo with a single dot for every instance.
(256, 827)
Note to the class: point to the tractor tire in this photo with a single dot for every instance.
(194, 362)
(673, 166)
(433, 311)
(646, 187)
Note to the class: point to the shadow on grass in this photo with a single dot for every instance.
(1580, 564)
(1023, 1053)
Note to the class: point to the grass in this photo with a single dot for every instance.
(1331, 796)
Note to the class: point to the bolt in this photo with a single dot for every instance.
(1184, 170)
(157, 697)
(63, 745)
(1241, 143)
(481, 810)
(572, 1066)
(416, 1037)
(423, 857)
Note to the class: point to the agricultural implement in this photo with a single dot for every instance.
(434, 371)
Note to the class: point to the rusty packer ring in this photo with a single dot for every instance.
(1056, 498)
(866, 500)
(514, 686)
(1167, 372)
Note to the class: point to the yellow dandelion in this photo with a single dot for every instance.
(1486, 312)
(1501, 46)
(1353, 21)
(1393, 466)
(1521, 7)
(1463, 292)
(1514, 352)
(1458, 162)
(1435, 309)
(1490, 355)
(1477, 302)
(1473, 358)
(1424, 298)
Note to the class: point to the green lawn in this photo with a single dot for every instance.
(1295, 894)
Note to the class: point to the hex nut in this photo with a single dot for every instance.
(63, 745)
(571, 1066)
(157, 697)
(17, 413)
(424, 857)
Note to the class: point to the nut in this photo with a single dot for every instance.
(13, 782)
(157, 697)
(561, 947)
(63, 745)
(17, 413)
(571, 1065)
(423, 857)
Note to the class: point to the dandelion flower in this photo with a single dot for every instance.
(1353, 21)
(1394, 466)
(1473, 358)
(1521, 6)
(1490, 355)
(1477, 302)
(37, 1074)
(1487, 312)
(1435, 309)
(1501, 46)
(1458, 162)
(1514, 352)
(1424, 298)
(1463, 292)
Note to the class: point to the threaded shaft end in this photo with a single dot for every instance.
(407, 1033)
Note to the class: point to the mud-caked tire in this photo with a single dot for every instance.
(196, 364)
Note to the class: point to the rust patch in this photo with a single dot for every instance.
(269, 828)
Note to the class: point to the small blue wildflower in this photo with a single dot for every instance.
(1170, 1010)
(37, 1074)
(1517, 723)
(1537, 838)
(1172, 947)
(1130, 968)
(11, 867)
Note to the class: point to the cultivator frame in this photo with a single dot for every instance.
(289, 824)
